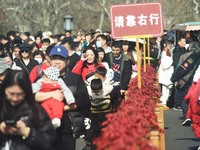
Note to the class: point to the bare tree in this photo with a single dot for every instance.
(35, 15)
(196, 9)
(102, 12)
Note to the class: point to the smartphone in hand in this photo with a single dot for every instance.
(10, 122)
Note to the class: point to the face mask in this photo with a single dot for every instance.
(39, 60)
(98, 44)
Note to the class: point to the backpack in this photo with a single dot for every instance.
(37, 73)
(186, 69)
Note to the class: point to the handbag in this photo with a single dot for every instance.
(77, 123)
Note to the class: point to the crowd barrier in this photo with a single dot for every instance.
(157, 137)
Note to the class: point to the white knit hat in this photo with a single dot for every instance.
(52, 73)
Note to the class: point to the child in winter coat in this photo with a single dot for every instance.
(99, 94)
(50, 81)
(99, 89)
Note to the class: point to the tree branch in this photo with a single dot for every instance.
(196, 8)
(24, 15)
(103, 7)
(63, 5)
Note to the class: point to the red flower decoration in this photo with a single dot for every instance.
(128, 128)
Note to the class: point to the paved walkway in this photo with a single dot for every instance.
(178, 137)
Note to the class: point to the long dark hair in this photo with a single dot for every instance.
(21, 79)
(166, 43)
(100, 49)
(126, 43)
(95, 55)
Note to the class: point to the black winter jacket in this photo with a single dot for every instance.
(75, 118)
(79, 91)
(178, 51)
(42, 135)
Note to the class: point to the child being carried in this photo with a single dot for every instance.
(50, 81)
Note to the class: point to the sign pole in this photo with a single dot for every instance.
(144, 54)
(148, 45)
(138, 63)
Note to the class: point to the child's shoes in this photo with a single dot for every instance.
(56, 122)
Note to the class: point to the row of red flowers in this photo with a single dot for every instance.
(129, 127)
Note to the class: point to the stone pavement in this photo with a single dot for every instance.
(177, 137)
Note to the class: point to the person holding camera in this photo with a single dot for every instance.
(24, 125)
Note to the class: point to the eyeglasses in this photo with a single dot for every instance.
(22, 51)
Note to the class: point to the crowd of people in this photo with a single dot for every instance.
(58, 88)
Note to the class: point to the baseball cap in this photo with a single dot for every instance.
(59, 50)
(3, 65)
(25, 46)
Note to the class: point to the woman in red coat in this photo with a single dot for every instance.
(88, 63)
(194, 107)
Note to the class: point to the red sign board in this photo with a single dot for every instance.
(136, 20)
